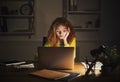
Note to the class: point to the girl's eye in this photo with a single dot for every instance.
(57, 31)
(64, 30)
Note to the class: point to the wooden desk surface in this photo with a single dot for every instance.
(78, 68)
(23, 75)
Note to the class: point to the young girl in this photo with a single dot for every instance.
(61, 34)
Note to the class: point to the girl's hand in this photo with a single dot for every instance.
(65, 38)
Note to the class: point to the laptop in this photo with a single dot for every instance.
(56, 57)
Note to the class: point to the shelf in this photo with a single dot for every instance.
(85, 15)
(14, 0)
(17, 16)
(16, 33)
(86, 29)
(83, 12)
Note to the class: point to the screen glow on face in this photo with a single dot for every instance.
(61, 31)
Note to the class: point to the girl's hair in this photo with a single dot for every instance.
(52, 37)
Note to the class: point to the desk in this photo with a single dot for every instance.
(8, 74)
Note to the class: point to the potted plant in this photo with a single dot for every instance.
(110, 57)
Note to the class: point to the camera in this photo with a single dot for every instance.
(98, 51)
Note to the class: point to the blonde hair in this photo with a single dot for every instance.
(52, 37)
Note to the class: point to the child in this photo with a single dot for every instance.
(61, 34)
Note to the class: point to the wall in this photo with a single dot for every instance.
(108, 34)
(23, 48)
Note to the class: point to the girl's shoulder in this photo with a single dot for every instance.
(74, 39)
(47, 44)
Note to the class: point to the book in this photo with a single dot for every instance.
(56, 75)
(13, 63)
(29, 65)
(71, 76)
(50, 74)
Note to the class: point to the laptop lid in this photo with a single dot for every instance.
(56, 57)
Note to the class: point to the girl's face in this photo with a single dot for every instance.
(61, 31)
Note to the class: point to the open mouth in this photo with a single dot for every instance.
(61, 37)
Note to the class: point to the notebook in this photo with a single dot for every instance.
(50, 74)
(56, 57)
(55, 74)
